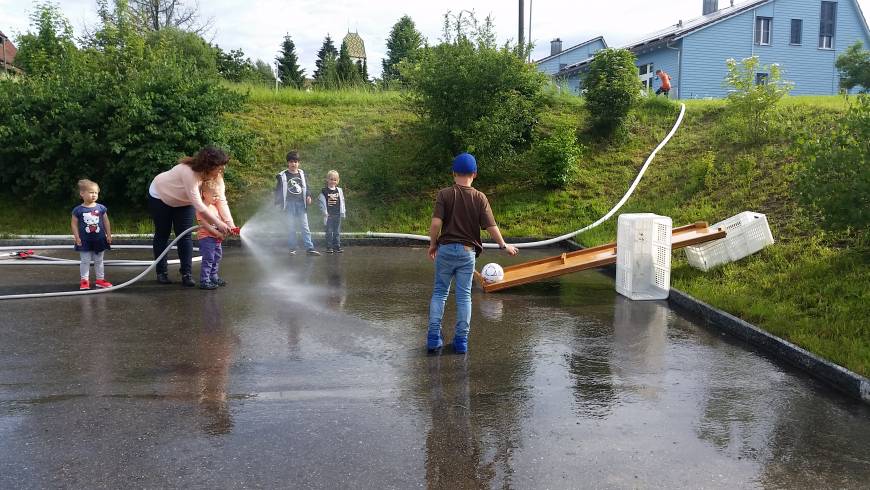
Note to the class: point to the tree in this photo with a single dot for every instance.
(612, 88)
(854, 66)
(52, 43)
(473, 96)
(154, 15)
(289, 72)
(363, 68)
(119, 111)
(403, 44)
(752, 99)
(198, 53)
(348, 73)
(329, 78)
(327, 49)
(264, 71)
(232, 65)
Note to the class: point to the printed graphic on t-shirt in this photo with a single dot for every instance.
(294, 186)
(333, 203)
(92, 222)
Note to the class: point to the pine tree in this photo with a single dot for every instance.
(326, 49)
(348, 72)
(289, 71)
(329, 78)
(363, 71)
(403, 43)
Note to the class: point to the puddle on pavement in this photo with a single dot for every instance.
(312, 372)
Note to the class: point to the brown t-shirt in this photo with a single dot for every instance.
(465, 211)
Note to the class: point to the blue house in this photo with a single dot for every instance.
(803, 36)
(560, 59)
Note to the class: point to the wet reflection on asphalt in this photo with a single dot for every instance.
(312, 373)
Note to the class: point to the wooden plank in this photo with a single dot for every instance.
(589, 258)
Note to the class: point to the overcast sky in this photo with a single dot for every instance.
(258, 26)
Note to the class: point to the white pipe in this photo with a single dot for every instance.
(541, 243)
(105, 290)
(45, 260)
(566, 236)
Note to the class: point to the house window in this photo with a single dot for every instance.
(646, 73)
(827, 25)
(761, 78)
(797, 31)
(762, 30)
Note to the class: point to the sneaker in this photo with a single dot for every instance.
(187, 281)
(292, 252)
(163, 278)
(434, 342)
(220, 282)
(102, 283)
(339, 250)
(312, 252)
(208, 285)
(460, 345)
(329, 250)
(84, 284)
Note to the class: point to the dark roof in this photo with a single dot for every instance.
(572, 48)
(676, 31)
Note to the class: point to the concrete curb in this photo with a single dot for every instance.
(852, 384)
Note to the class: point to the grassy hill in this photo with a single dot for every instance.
(810, 288)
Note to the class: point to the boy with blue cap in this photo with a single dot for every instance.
(461, 211)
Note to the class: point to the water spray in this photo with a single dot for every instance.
(29, 253)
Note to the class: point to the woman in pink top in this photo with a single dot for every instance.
(173, 198)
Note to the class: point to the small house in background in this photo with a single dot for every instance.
(560, 59)
(803, 36)
(7, 54)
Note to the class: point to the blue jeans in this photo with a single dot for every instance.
(333, 232)
(298, 218)
(452, 260)
(211, 251)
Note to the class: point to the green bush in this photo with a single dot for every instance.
(612, 88)
(475, 97)
(118, 112)
(751, 101)
(854, 67)
(834, 177)
(557, 152)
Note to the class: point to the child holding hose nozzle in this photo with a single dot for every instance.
(210, 238)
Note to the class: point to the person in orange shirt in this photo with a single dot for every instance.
(666, 83)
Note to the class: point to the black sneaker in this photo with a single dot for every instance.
(313, 252)
(339, 250)
(292, 252)
(329, 250)
(208, 285)
(163, 278)
(187, 281)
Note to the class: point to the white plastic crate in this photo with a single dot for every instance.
(748, 233)
(643, 256)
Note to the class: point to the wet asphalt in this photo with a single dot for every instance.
(311, 372)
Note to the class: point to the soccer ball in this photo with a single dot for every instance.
(492, 272)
